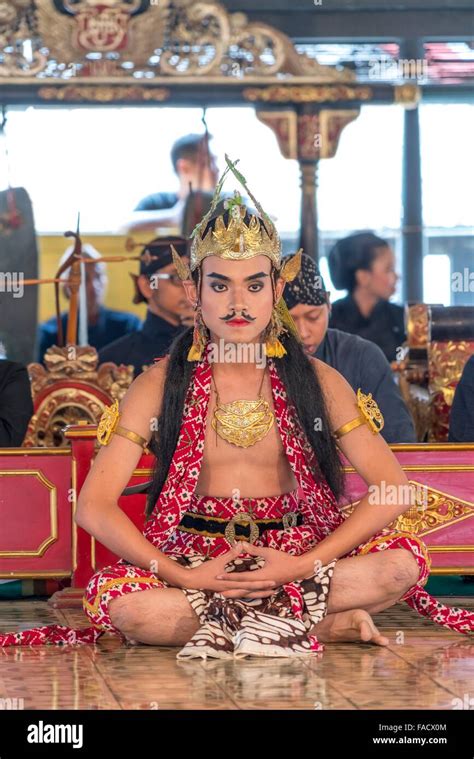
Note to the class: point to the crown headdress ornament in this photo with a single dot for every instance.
(237, 241)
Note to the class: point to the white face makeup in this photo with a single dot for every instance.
(236, 297)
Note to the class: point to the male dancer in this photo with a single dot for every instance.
(245, 551)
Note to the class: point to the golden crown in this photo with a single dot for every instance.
(236, 240)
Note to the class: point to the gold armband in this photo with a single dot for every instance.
(109, 425)
(369, 413)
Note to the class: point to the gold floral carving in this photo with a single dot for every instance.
(417, 325)
(103, 26)
(408, 95)
(439, 510)
(306, 93)
(446, 362)
(69, 388)
(205, 39)
(103, 94)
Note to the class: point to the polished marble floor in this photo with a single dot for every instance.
(425, 667)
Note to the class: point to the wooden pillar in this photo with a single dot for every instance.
(308, 133)
(412, 219)
(309, 229)
(309, 151)
(18, 261)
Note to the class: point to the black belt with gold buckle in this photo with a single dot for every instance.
(242, 526)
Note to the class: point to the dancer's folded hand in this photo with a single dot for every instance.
(204, 577)
(279, 566)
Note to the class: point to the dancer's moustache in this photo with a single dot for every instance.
(234, 315)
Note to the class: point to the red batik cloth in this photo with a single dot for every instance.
(230, 620)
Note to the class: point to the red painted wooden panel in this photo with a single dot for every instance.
(35, 503)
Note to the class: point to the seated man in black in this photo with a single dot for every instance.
(103, 324)
(195, 167)
(168, 310)
(16, 405)
(461, 423)
(360, 361)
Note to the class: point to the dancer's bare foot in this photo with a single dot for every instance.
(352, 625)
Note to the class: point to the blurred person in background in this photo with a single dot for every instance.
(364, 265)
(360, 361)
(16, 405)
(103, 324)
(168, 310)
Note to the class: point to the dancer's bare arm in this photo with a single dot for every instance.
(98, 511)
(372, 459)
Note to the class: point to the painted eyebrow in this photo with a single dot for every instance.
(258, 275)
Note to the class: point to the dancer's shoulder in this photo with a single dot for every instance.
(329, 378)
(340, 398)
(146, 391)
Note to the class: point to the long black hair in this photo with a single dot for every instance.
(303, 390)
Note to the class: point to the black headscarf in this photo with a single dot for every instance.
(155, 255)
(308, 287)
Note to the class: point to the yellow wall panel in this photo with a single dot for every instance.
(120, 288)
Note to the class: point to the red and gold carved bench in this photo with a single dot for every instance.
(39, 489)
(445, 520)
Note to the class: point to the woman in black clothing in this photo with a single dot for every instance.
(364, 264)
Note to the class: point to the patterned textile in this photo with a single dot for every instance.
(275, 626)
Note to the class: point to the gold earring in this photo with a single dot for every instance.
(200, 337)
(273, 346)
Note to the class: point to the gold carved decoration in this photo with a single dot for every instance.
(103, 26)
(108, 423)
(408, 95)
(417, 318)
(446, 362)
(429, 374)
(70, 388)
(103, 94)
(53, 513)
(307, 135)
(438, 510)
(284, 125)
(113, 38)
(307, 93)
(242, 423)
(332, 122)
